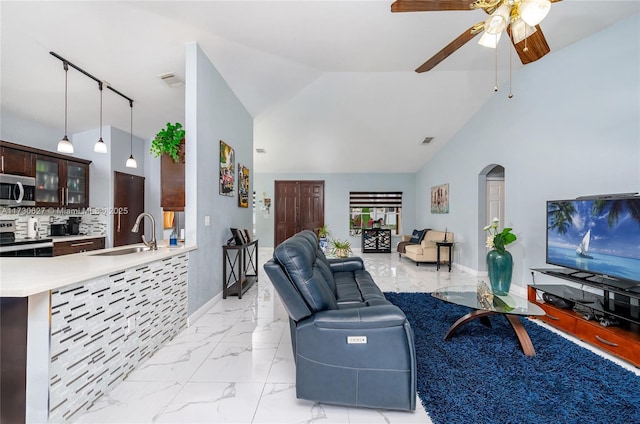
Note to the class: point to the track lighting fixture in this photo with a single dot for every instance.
(64, 145)
(131, 162)
(100, 146)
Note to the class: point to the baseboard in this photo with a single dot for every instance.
(203, 309)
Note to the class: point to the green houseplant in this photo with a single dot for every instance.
(168, 141)
(341, 249)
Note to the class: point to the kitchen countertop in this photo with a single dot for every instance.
(22, 277)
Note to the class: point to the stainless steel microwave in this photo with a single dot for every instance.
(17, 190)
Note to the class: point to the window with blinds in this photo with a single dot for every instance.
(380, 209)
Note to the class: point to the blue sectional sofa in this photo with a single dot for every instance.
(351, 346)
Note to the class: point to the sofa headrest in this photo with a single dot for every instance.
(298, 256)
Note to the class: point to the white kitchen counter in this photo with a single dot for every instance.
(22, 277)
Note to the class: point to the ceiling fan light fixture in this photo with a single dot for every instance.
(497, 22)
(534, 11)
(520, 30)
(490, 40)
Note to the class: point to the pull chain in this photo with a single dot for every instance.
(495, 87)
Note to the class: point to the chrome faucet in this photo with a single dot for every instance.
(152, 243)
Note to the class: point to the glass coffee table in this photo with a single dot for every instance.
(486, 304)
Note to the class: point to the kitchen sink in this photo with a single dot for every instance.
(119, 252)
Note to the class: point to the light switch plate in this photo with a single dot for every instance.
(207, 221)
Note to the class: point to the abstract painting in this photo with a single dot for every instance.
(440, 199)
(227, 159)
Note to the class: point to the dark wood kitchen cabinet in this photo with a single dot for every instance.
(76, 246)
(16, 162)
(172, 182)
(62, 182)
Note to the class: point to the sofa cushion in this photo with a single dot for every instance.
(298, 258)
(417, 236)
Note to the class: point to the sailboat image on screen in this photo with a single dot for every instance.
(583, 248)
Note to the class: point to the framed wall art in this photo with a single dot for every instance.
(440, 199)
(227, 175)
(243, 186)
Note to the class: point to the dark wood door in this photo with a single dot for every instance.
(299, 205)
(128, 203)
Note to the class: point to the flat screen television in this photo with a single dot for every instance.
(598, 235)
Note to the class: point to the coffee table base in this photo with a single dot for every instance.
(518, 328)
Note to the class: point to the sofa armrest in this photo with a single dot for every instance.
(353, 263)
(406, 237)
(360, 318)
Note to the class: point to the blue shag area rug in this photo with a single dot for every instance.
(481, 375)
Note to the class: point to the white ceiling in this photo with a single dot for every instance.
(330, 83)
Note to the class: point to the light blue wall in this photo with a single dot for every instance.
(336, 199)
(213, 113)
(572, 129)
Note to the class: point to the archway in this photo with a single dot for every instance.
(491, 182)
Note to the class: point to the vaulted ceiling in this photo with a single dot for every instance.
(330, 84)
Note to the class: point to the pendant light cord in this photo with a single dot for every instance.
(66, 77)
(100, 87)
(131, 129)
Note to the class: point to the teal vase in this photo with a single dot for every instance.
(500, 267)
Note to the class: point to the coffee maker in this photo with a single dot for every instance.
(73, 225)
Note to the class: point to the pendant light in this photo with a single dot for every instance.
(100, 146)
(64, 145)
(131, 162)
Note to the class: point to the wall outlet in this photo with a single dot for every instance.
(356, 339)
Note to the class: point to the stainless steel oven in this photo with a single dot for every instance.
(17, 190)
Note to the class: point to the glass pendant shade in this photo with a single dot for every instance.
(534, 11)
(100, 146)
(65, 146)
(131, 162)
(498, 20)
(490, 40)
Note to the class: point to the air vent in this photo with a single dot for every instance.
(172, 79)
(260, 150)
(427, 140)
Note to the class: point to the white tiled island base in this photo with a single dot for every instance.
(84, 338)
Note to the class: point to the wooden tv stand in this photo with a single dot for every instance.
(597, 297)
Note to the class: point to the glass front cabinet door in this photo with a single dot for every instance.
(48, 189)
(61, 182)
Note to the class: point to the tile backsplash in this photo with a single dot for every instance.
(93, 223)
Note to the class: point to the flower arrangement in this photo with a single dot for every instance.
(499, 239)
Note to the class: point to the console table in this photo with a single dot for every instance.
(376, 240)
(613, 304)
(239, 268)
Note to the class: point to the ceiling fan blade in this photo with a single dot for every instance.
(430, 5)
(531, 48)
(449, 49)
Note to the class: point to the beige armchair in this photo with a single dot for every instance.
(427, 251)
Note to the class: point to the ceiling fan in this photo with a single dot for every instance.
(520, 18)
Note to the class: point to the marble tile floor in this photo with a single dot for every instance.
(235, 364)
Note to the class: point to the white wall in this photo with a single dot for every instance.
(212, 113)
(336, 200)
(572, 129)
